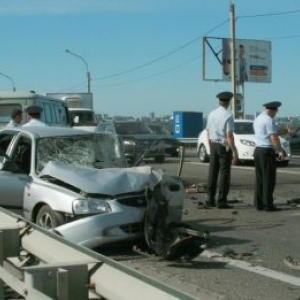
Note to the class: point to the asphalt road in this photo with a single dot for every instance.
(246, 253)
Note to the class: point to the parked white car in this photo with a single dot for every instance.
(77, 183)
(244, 141)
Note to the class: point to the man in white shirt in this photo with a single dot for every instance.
(16, 119)
(267, 143)
(33, 116)
(223, 153)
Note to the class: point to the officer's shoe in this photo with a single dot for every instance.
(209, 204)
(224, 206)
(260, 208)
(272, 208)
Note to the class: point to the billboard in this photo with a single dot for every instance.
(253, 60)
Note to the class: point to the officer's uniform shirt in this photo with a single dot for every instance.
(264, 126)
(12, 125)
(219, 122)
(34, 122)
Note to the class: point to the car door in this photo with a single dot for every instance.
(295, 142)
(14, 173)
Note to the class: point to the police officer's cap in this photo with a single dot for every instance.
(33, 110)
(272, 105)
(225, 96)
(16, 112)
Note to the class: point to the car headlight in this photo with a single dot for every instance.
(248, 143)
(129, 142)
(90, 206)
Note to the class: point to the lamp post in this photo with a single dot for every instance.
(12, 81)
(87, 69)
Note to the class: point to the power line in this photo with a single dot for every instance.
(190, 43)
(284, 37)
(271, 14)
(161, 57)
(130, 70)
(72, 88)
(155, 74)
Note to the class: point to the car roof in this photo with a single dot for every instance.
(51, 131)
(79, 109)
(127, 121)
(243, 121)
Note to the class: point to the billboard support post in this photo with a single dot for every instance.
(242, 60)
(233, 59)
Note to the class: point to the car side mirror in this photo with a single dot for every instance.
(11, 166)
(7, 164)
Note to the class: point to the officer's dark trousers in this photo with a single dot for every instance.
(265, 172)
(220, 164)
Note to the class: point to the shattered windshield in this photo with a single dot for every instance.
(96, 151)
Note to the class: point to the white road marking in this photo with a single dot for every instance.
(254, 269)
(279, 170)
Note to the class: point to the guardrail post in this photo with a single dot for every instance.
(1, 262)
(9, 246)
(64, 282)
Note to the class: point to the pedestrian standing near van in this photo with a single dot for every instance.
(34, 116)
(16, 119)
(267, 144)
(223, 152)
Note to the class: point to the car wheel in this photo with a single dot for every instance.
(202, 154)
(48, 219)
(159, 159)
(175, 154)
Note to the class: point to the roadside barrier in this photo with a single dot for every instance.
(39, 265)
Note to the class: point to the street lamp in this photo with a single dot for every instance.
(87, 69)
(12, 81)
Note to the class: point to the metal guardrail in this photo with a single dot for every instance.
(188, 141)
(39, 265)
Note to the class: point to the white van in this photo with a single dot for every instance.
(54, 110)
(80, 109)
(83, 118)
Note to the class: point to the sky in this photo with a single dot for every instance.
(145, 56)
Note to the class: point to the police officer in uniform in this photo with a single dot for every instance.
(33, 116)
(267, 145)
(16, 119)
(220, 126)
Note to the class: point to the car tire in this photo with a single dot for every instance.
(48, 218)
(159, 159)
(175, 154)
(202, 154)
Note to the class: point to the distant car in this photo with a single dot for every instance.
(172, 145)
(244, 141)
(294, 140)
(77, 184)
(138, 139)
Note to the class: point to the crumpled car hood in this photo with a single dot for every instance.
(110, 181)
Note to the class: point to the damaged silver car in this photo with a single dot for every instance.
(77, 183)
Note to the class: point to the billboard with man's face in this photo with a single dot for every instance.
(253, 61)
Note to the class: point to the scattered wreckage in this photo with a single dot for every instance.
(77, 184)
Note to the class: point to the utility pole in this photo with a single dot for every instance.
(233, 58)
(237, 86)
